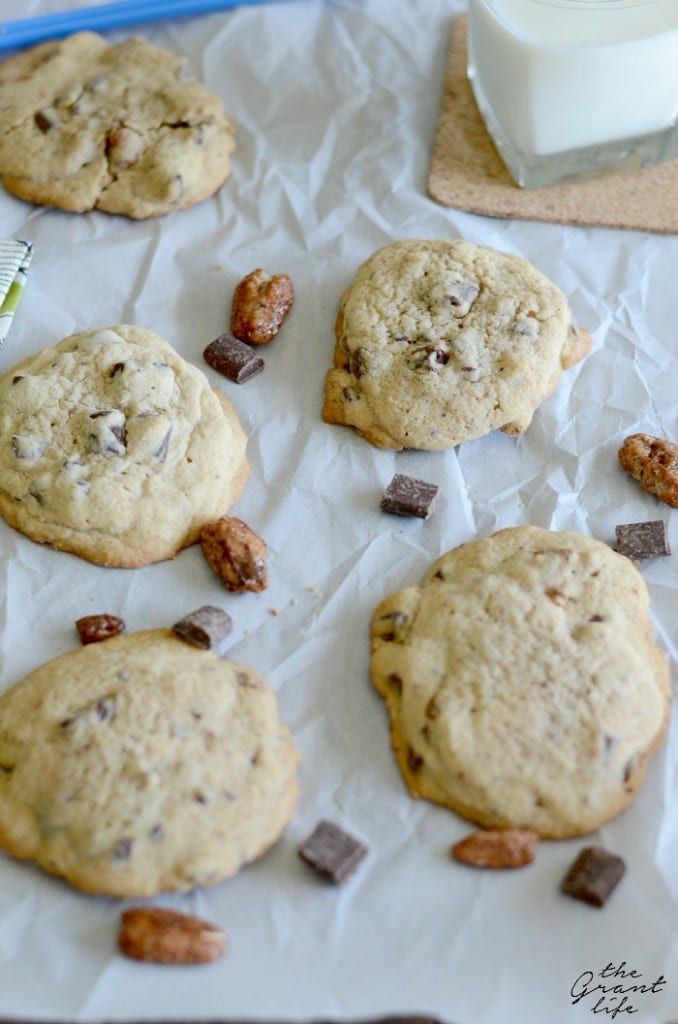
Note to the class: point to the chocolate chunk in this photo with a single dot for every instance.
(593, 876)
(107, 432)
(332, 852)
(236, 360)
(123, 849)
(206, 627)
(161, 451)
(45, 120)
(428, 357)
(389, 627)
(105, 709)
(527, 327)
(94, 628)
(25, 446)
(357, 365)
(406, 496)
(415, 762)
(461, 296)
(642, 540)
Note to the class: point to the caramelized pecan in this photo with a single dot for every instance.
(653, 463)
(94, 628)
(236, 554)
(500, 848)
(168, 937)
(260, 304)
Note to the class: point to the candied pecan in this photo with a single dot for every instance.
(653, 463)
(93, 628)
(168, 937)
(236, 554)
(260, 304)
(499, 848)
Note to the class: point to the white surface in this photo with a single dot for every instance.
(336, 105)
(560, 78)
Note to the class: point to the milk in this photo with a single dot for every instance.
(556, 76)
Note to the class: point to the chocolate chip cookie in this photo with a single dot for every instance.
(440, 341)
(143, 764)
(522, 682)
(116, 449)
(126, 128)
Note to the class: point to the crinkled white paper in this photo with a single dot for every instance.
(336, 105)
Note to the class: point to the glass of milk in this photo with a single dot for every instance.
(571, 89)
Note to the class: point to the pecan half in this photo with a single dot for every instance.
(168, 937)
(653, 463)
(260, 304)
(499, 848)
(94, 628)
(236, 554)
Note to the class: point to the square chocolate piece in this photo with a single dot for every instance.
(205, 628)
(642, 540)
(407, 496)
(332, 852)
(232, 357)
(593, 876)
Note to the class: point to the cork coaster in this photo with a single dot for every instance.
(467, 172)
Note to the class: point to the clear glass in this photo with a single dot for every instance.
(572, 89)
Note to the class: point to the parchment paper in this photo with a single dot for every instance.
(336, 105)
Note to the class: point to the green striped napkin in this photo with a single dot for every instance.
(15, 257)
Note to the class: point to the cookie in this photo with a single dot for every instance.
(522, 682)
(127, 128)
(114, 448)
(143, 764)
(441, 341)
